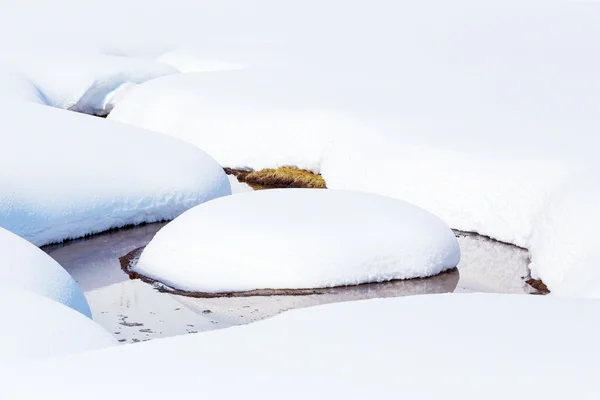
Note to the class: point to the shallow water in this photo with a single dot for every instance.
(136, 311)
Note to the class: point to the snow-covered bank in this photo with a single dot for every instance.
(472, 345)
(23, 266)
(72, 175)
(296, 239)
(83, 82)
(35, 327)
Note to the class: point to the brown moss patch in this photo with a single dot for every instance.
(538, 286)
(283, 177)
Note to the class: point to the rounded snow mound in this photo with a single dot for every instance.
(298, 238)
(37, 327)
(72, 175)
(24, 266)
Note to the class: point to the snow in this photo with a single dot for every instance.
(419, 347)
(444, 107)
(81, 81)
(244, 119)
(298, 238)
(187, 60)
(237, 186)
(72, 175)
(564, 245)
(24, 266)
(36, 327)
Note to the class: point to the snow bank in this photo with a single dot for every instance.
(81, 81)
(298, 238)
(419, 347)
(35, 327)
(244, 119)
(67, 175)
(564, 246)
(24, 266)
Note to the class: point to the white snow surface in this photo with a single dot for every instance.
(298, 238)
(419, 347)
(24, 266)
(67, 175)
(564, 244)
(245, 119)
(189, 60)
(477, 113)
(82, 81)
(37, 327)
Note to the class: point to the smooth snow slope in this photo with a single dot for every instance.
(245, 119)
(298, 238)
(67, 175)
(36, 327)
(421, 347)
(24, 266)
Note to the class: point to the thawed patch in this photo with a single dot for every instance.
(279, 178)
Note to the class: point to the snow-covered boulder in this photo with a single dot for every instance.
(298, 238)
(24, 266)
(419, 347)
(34, 327)
(244, 119)
(66, 175)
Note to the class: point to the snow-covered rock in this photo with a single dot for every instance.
(66, 175)
(420, 347)
(298, 238)
(35, 327)
(24, 266)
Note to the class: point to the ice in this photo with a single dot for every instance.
(298, 238)
(418, 347)
(24, 266)
(36, 327)
(68, 175)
